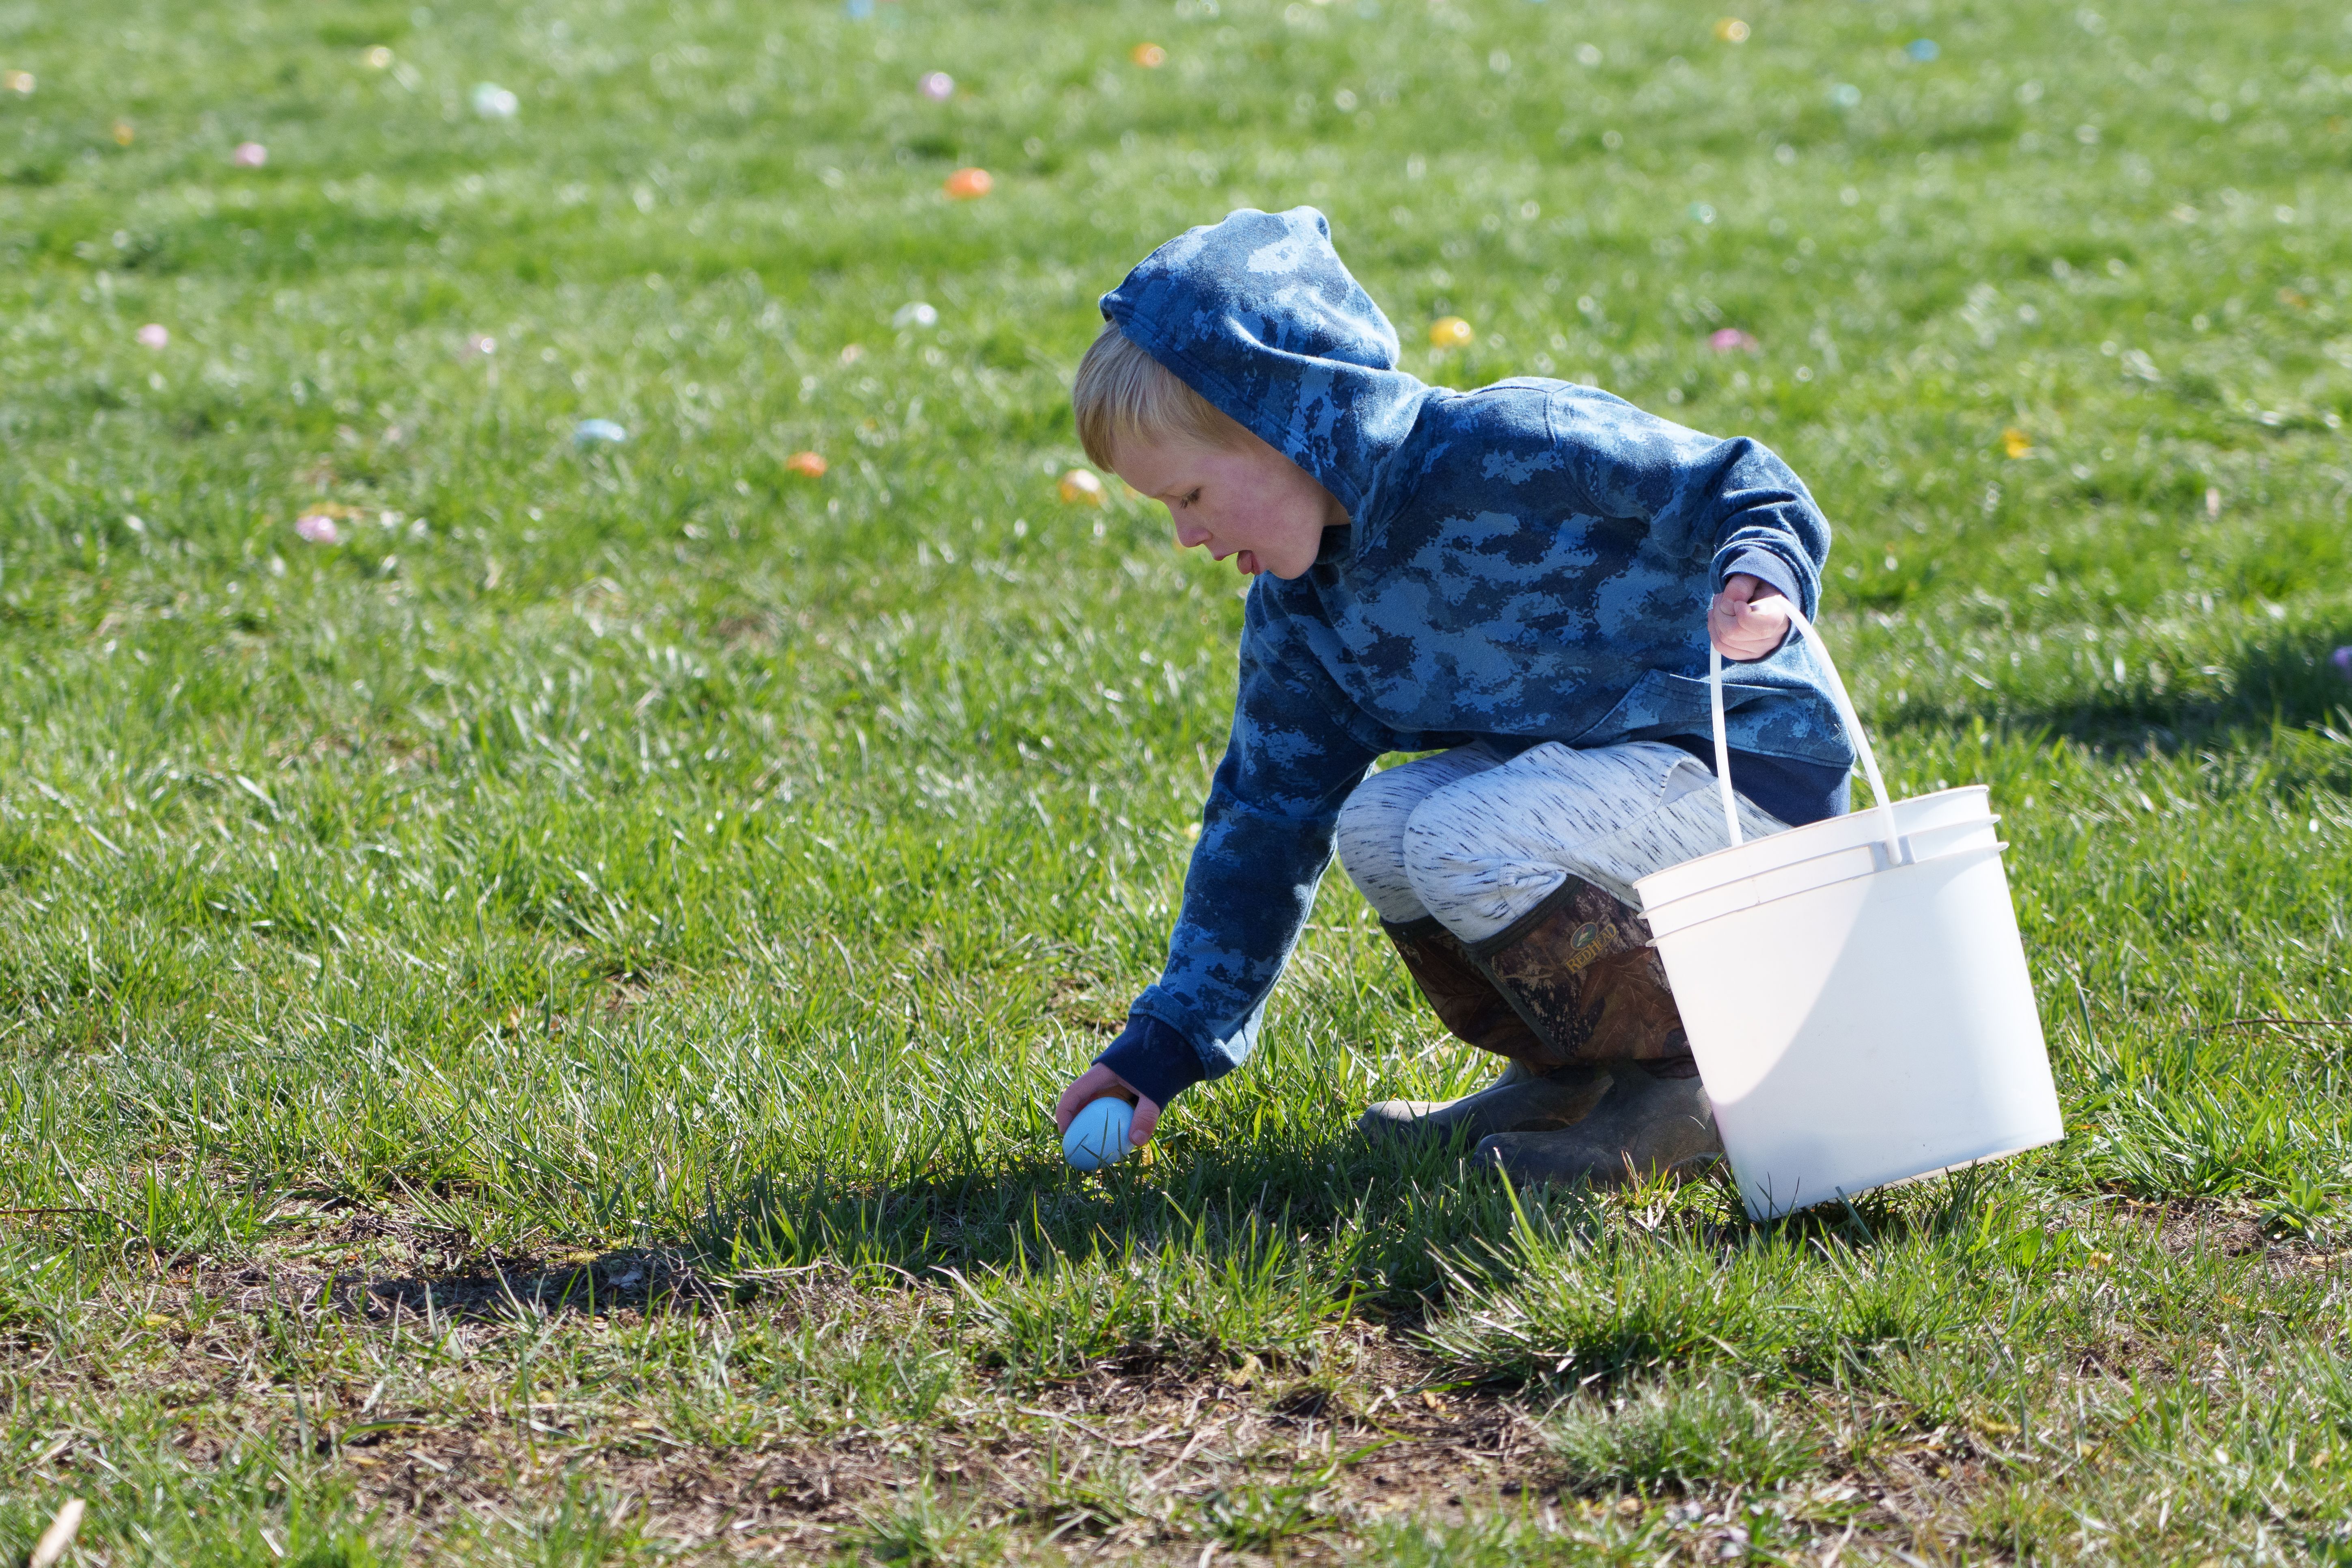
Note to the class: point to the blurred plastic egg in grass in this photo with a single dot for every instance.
(1731, 31)
(1922, 50)
(17, 81)
(1727, 340)
(492, 101)
(937, 86)
(123, 134)
(249, 155)
(968, 185)
(1150, 57)
(597, 433)
(153, 335)
(809, 464)
(916, 313)
(1081, 487)
(378, 58)
(318, 528)
(1451, 332)
(2016, 442)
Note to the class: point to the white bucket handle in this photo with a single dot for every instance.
(1845, 713)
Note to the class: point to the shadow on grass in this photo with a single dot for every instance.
(1245, 1254)
(1246, 1214)
(1251, 1241)
(1394, 1230)
(2266, 686)
(1377, 1216)
(500, 1289)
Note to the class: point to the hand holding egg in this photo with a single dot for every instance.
(1102, 1118)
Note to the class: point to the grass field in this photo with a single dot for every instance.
(528, 1029)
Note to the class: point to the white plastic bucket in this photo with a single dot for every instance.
(1855, 991)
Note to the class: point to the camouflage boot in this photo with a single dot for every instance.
(1643, 1127)
(1524, 1099)
(1580, 973)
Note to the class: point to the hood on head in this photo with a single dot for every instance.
(1258, 315)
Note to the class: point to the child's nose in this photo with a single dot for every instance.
(1190, 535)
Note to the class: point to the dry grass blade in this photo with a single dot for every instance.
(59, 1538)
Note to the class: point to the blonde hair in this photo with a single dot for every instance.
(1123, 394)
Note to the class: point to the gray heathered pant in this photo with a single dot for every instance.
(1479, 841)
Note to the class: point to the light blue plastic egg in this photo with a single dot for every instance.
(596, 433)
(1097, 1135)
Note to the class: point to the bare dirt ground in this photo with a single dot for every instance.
(1139, 1458)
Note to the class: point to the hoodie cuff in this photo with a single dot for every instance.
(1153, 1059)
(1767, 568)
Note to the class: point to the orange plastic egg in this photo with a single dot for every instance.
(1150, 57)
(809, 463)
(1080, 487)
(965, 184)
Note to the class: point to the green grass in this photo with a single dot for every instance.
(528, 1030)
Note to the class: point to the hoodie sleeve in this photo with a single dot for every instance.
(1731, 503)
(1266, 839)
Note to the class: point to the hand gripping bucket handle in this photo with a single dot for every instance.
(1853, 721)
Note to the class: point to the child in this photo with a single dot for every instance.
(1522, 579)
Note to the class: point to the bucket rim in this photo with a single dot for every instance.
(1803, 878)
(1684, 879)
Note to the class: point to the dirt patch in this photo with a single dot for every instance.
(400, 1353)
(1143, 1456)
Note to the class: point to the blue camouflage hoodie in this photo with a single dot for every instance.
(1527, 563)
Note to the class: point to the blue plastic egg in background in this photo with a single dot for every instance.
(1097, 1135)
(597, 432)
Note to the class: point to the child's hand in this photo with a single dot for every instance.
(1092, 1085)
(1748, 619)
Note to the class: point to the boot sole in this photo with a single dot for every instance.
(1598, 1175)
(1435, 1125)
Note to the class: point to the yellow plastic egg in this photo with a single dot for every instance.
(1450, 332)
(1080, 487)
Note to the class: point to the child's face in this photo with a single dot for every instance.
(1247, 501)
